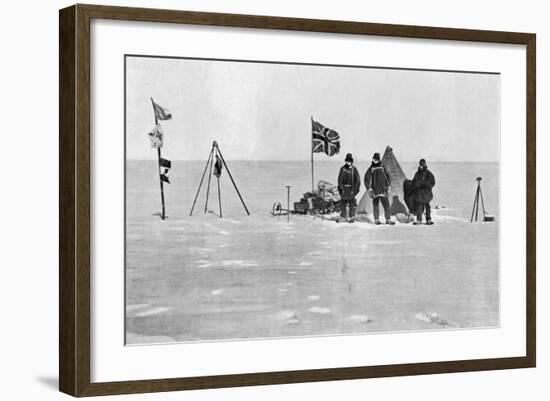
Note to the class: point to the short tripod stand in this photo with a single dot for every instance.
(215, 153)
(475, 209)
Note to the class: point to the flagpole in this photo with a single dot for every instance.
(288, 203)
(163, 216)
(312, 174)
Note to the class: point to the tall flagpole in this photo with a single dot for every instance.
(312, 176)
(163, 215)
(161, 187)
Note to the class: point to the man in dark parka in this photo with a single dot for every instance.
(378, 183)
(422, 184)
(349, 182)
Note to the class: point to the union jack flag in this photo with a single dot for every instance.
(325, 140)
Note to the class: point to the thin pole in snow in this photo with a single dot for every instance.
(202, 179)
(231, 178)
(208, 187)
(312, 172)
(288, 203)
(163, 215)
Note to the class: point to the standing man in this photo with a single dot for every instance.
(423, 182)
(378, 183)
(349, 182)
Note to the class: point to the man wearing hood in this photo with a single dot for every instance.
(422, 184)
(349, 182)
(378, 183)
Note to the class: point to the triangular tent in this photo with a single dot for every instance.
(397, 177)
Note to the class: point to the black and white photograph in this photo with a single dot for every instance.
(275, 200)
(269, 200)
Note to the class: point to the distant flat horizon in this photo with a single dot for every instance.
(316, 161)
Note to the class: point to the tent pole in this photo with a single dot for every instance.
(474, 208)
(232, 181)
(482, 203)
(200, 184)
(209, 178)
(477, 203)
(219, 193)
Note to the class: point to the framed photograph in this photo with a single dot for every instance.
(249, 200)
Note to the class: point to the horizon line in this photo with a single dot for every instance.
(321, 161)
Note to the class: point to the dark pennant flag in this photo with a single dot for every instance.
(325, 140)
(164, 177)
(165, 163)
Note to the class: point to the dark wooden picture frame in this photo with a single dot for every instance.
(74, 199)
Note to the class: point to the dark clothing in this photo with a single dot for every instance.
(423, 182)
(385, 204)
(352, 204)
(377, 179)
(397, 206)
(421, 193)
(420, 209)
(349, 182)
(408, 195)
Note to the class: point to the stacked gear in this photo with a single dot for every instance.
(325, 199)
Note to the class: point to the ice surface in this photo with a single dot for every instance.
(319, 309)
(263, 265)
(359, 318)
(154, 311)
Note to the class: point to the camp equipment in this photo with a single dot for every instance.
(486, 217)
(215, 153)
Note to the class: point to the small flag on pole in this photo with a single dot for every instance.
(325, 140)
(161, 113)
(165, 163)
(218, 167)
(156, 137)
(164, 177)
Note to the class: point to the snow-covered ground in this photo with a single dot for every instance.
(196, 278)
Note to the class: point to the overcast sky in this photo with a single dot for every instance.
(262, 111)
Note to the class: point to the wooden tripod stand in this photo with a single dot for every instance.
(216, 154)
(475, 209)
